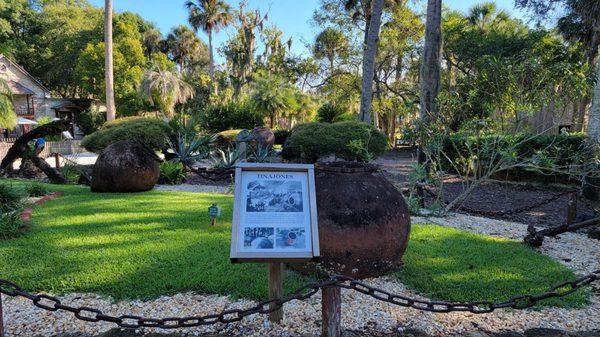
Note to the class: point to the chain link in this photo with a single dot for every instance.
(88, 314)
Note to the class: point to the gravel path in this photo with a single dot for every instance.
(194, 188)
(359, 312)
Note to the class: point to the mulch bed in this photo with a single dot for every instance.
(504, 197)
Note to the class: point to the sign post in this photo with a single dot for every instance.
(331, 308)
(275, 290)
(274, 219)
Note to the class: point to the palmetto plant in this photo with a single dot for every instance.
(165, 89)
(8, 118)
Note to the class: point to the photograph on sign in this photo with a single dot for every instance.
(273, 213)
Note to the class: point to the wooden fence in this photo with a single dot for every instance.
(65, 147)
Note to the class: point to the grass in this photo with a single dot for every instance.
(158, 243)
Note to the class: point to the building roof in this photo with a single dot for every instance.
(19, 89)
(24, 72)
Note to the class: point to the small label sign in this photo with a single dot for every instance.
(214, 211)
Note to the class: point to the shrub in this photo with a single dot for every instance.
(281, 136)
(171, 173)
(71, 173)
(150, 131)
(310, 141)
(89, 121)
(331, 113)
(10, 197)
(225, 116)
(10, 224)
(36, 189)
(549, 151)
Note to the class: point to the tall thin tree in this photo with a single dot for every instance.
(431, 64)
(210, 16)
(108, 61)
(370, 51)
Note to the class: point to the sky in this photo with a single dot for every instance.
(293, 17)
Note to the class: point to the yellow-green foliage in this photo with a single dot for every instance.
(152, 132)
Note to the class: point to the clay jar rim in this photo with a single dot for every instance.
(347, 167)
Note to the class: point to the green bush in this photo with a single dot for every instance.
(11, 197)
(331, 113)
(10, 224)
(310, 141)
(548, 151)
(171, 173)
(281, 136)
(219, 117)
(89, 121)
(150, 131)
(36, 189)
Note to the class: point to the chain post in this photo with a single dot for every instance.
(331, 310)
(572, 208)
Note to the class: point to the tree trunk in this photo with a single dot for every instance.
(108, 62)
(20, 149)
(593, 128)
(369, 61)
(430, 67)
(211, 67)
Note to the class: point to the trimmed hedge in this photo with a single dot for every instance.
(310, 141)
(564, 150)
(152, 132)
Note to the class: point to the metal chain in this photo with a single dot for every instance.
(88, 314)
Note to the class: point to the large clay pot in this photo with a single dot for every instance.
(364, 223)
(125, 166)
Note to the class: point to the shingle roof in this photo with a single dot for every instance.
(19, 89)
(21, 69)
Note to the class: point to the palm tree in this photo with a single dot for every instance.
(183, 45)
(210, 16)
(272, 96)
(370, 51)
(329, 44)
(8, 118)
(108, 61)
(165, 89)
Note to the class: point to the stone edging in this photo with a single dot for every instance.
(26, 213)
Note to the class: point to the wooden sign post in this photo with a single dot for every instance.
(331, 308)
(275, 290)
(274, 220)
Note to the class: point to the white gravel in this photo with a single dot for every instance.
(359, 312)
(194, 188)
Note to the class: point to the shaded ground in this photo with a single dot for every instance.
(495, 196)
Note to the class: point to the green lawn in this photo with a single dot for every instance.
(156, 243)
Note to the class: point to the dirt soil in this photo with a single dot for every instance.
(495, 195)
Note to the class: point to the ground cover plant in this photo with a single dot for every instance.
(155, 243)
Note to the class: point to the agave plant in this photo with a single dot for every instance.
(226, 159)
(260, 154)
(189, 149)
